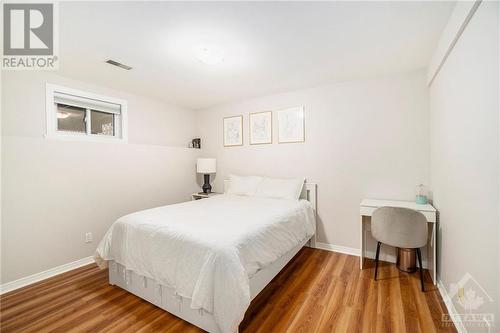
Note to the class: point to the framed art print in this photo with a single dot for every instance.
(261, 128)
(291, 125)
(233, 131)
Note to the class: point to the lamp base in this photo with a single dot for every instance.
(207, 188)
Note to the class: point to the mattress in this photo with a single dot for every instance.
(207, 250)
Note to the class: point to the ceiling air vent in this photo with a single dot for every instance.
(118, 64)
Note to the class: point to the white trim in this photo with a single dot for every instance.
(457, 23)
(450, 307)
(338, 248)
(392, 258)
(121, 124)
(86, 102)
(84, 137)
(25, 281)
(355, 252)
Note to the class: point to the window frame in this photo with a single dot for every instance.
(120, 121)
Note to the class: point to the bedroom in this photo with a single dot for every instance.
(310, 124)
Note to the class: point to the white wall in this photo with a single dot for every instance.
(365, 138)
(54, 191)
(464, 101)
(1, 182)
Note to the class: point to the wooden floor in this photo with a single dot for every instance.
(318, 291)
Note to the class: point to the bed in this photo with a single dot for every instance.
(205, 260)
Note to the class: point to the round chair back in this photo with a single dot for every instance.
(399, 227)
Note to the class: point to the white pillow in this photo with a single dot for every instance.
(243, 185)
(280, 188)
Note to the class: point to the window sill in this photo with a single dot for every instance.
(84, 138)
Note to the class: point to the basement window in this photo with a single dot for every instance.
(74, 114)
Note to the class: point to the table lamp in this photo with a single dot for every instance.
(206, 166)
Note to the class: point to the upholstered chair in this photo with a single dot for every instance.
(402, 228)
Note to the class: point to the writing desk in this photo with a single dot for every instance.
(368, 206)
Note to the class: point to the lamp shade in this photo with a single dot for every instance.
(206, 165)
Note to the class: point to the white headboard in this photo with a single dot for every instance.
(308, 193)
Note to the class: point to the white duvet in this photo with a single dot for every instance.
(208, 249)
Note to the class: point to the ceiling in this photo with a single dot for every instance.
(267, 47)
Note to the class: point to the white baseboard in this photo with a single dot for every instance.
(337, 248)
(356, 252)
(451, 308)
(388, 257)
(25, 281)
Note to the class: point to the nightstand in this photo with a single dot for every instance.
(198, 196)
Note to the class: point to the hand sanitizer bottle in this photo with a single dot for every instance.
(421, 197)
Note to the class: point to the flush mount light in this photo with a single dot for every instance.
(62, 115)
(209, 54)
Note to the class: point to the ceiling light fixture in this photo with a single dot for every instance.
(210, 55)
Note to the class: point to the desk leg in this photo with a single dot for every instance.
(361, 243)
(434, 253)
(431, 254)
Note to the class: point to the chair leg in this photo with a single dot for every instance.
(419, 255)
(376, 259)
